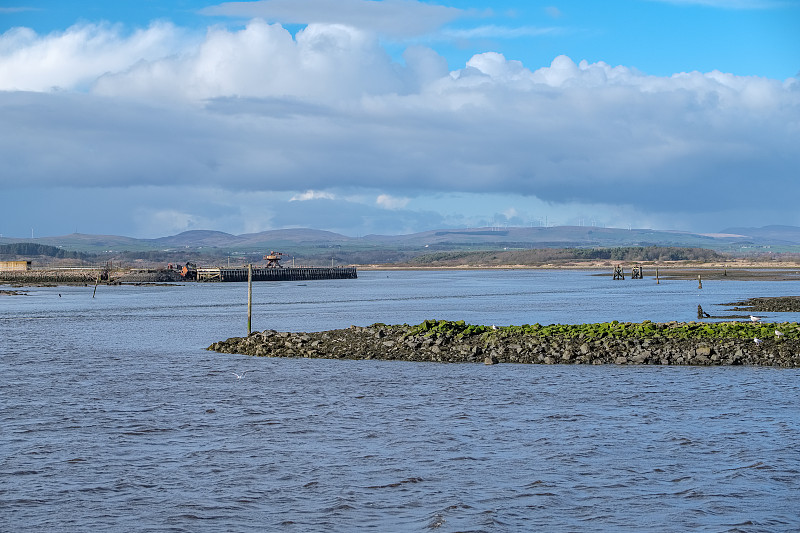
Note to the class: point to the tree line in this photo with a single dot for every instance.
(559, 255)
(29, 249)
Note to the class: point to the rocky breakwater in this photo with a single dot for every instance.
(606, 343)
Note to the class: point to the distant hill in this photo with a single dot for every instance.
(195, 239)
(769, 234)
(313, 246)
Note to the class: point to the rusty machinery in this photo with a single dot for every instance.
(189, 271)
(273, 259)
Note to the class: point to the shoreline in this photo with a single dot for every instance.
(666, 271)
(676, 271)
(620, 344)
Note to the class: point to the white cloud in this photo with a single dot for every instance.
(553, 12)
(312, 195)
(257, 110)
(166, 221)
(78, 56)
(322, 62)
(498, 32)
(390, 202)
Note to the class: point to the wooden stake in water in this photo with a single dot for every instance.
(657, 282)
(699, 283)
(95, 285)
(249, 296)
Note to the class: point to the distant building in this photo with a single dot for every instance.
(15, 265)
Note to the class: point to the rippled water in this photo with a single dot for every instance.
(113, 417)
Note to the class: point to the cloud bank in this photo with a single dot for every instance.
(325, 115)
(394, 18)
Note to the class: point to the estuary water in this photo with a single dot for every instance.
(114, 417)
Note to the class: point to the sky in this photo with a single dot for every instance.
(147, 118)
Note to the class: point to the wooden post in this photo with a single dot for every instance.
(699, 282)
(249, 296)
(657, 282)
(95, 285)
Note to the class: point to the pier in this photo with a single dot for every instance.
(276, 274)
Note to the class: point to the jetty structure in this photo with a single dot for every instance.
(22, 273)
(272, 271)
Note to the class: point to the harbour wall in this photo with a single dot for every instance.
(76, 276)
(277, 274)
(401, 343)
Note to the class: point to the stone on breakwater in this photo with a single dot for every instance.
(407, 343)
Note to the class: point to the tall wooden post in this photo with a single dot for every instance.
(657, 282)
(249, 296)
(699, 283)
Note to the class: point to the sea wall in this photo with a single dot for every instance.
(88, 276)
(407, 343)
(35, 277)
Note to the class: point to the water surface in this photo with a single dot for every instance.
(113, 417)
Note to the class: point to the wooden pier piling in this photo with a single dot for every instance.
(249, 297)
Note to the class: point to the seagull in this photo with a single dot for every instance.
(240, 376)
(754, 318)
(778, 333)
(757, 341)
(494, 327)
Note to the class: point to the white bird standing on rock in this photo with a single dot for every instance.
(757, 341)
(778, 333)
(754, 318)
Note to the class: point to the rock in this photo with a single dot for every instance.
(394, 342)
(703, 351)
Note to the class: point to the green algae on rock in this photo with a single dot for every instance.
(672, 343)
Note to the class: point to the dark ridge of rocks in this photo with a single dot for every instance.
(89, 276)
(41, 277)
(768, 304)
(394, 343)
(149, 276)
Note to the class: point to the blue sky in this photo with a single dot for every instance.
(148, 118)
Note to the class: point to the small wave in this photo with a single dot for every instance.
(758, 464)
(145, 431)
(436, 522)
(398, 484)
(187, 516)
(339, 507)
